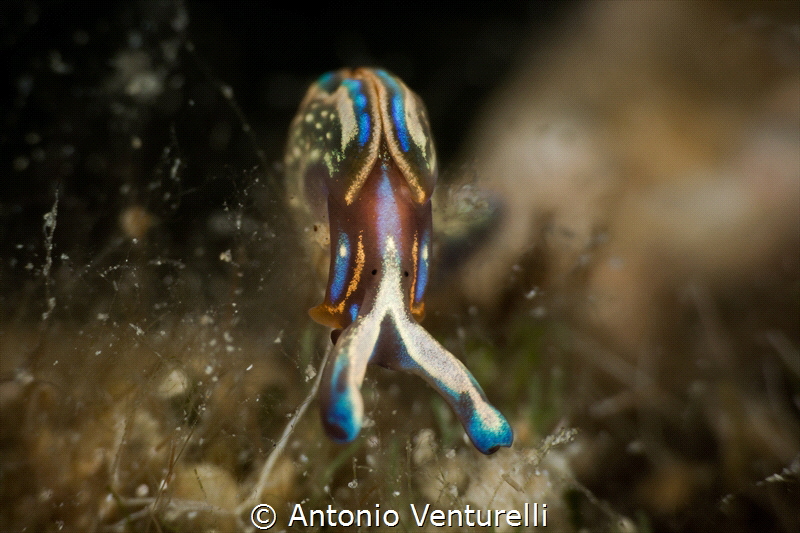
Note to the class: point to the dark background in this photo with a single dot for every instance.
(59, 85)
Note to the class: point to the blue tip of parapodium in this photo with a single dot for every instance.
(340, 423)
(488, 437)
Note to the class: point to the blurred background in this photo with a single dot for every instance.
(617, 260)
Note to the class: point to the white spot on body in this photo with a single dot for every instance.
(328, 160)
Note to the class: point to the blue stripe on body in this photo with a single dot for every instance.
(360, 101)
(422, 266)
(397, 110)
(341, 266)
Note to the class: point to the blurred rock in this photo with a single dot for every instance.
(654, 142)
